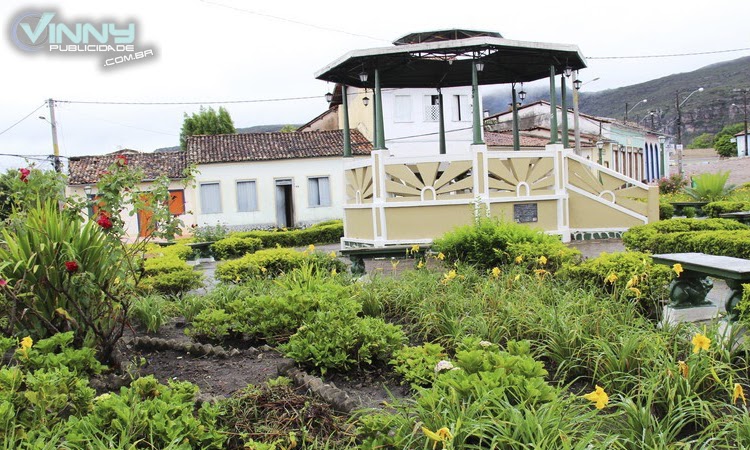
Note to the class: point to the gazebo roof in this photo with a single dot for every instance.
(447, 63)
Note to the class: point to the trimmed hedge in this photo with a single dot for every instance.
(271, 263)
(666, 211)
(652, 237)
(715, 209)
(329, 232)
(168, 273)
(234, 247)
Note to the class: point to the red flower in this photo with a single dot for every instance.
(71, 266)
(104, 222)
(3, 282)
(24, 175)
(121, 160)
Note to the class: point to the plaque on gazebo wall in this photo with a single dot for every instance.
(525, 212)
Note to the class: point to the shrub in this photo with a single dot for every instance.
(549, 256)
(324, 233)
(233, 247)
(274, 262)
(152, 311)
(338, 339)
(703, 140)
(666, 211)
(629, 275)
(715, 209)
(672, 184)
(173, 283)
(642, 237)
(710, 187)
(486, 243)
(163, 264)
(210, 233)
(690, 212)
(417, 364)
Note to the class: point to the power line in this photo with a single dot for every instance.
(214, 102)
(24, 118)
(297, 22)
(670, 55)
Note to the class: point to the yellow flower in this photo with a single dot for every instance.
(677, 267)
(599, 397)
(264, 270)
(414, 248)
(543, 260)
(420, 264)
(447, 277)
(684, 369)
(26, 344)
(541, 273)
(738, 393)
(517, 277)
(440, 256)
(332, 254)
(519, 259)
(495, 272)
(700, 342)
(311, 248)
(636, 291)
(442, 435)
(333, 271)
(632, 282)
(611, 278)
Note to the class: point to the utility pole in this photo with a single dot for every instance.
(626, 111)
(55, 148)
(679, 133)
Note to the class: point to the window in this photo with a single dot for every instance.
(319, 191)
(246, 196)
(402, 109)
(431, 108)
(210, 198)
(461, 108)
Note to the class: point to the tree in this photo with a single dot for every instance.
(206, 121)
(705, 140)
(724, 146)
(288, 129)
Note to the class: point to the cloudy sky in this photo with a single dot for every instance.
(230, 50)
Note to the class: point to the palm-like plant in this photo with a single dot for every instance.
(710, 187)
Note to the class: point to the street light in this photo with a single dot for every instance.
(679, 126)
(744, 104)
(600, 146)
(627, 111)
(662, 140)
(577, 84)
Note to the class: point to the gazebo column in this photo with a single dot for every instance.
(552, 107)
(347, 133)
(516, 137)
(374, 119)
(477, 123)
(379, 133)
(441, 130)
(564, 105)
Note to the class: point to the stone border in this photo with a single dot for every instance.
(336, 397)
(594, 235)
(192, 348)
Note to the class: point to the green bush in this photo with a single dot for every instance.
(152, 311)
(549, 256)
(178, 250)
(715, 209)
(642, 237)
(338, 339)
(417, 364)
(666, 211)
(710, 187)
(210, 233)
(629, 275)
(487, 243)
(271, 263)
(163, 264)
(233, 247)
(324, 233)
(173, 283)
(690, 212)
(672, 184)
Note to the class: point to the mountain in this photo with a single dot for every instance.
(264, 128)
(705, 112)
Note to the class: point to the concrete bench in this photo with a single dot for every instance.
(692, 286)
(741, 216)
(357, 255)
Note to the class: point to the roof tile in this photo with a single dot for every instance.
(87, 169)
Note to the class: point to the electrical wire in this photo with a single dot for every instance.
(24, 118)
(671, 55)
(214, 102)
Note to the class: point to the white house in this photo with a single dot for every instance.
(85, 171)
(741, 139)
(260, 180)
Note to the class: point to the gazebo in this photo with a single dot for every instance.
(407, 200)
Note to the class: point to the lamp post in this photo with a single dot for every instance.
(577, 84)
(628, 111)
(744, 105)
(53, 123)
(679, 127)
(662, 140)
(600, 146)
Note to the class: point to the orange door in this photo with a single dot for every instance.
(145, 225)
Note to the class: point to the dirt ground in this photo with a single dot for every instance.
(700, 161)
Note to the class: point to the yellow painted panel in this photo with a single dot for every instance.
(502, 169)
(502, 185)
(428, 172)
(543, 168)
(425, 222)
(466, 183)
(587, 213)
(397, 188)
(546, 214)
(403, 173)
(358, 224)
(455, 169)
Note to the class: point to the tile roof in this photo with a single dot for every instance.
(86, 169)
(505, 139)
(271, 146)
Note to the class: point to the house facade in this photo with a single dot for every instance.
(627, 148)
(741, 139)
(85, 171)
(267, 180)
